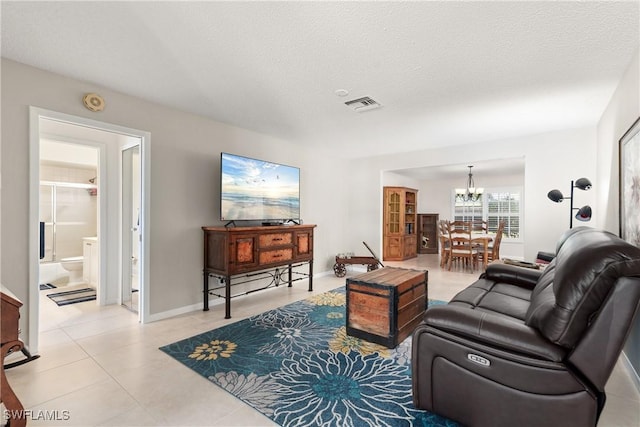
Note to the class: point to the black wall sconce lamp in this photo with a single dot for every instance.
(584, 213)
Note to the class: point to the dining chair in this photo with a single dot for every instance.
(458, 225)
(493, 250)
(461, 247)
(443, 234)
(479, 226)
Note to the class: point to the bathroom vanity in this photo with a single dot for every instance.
(91, 260)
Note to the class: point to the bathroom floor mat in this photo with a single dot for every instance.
(44, 286)
(72, 297)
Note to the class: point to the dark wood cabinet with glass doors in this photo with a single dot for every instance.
(428, 233)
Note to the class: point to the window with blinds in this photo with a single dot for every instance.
(504, 205)
(467, 210)
(494, 205)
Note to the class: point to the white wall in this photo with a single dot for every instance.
(185, 151)
(552, 160)
(623, 110)
(392, 179)
(435, 195)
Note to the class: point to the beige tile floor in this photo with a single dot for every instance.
(105, 369)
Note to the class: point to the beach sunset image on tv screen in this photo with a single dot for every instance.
(254, 189)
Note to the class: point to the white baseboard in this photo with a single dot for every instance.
(323, 273)
(215, 301)
(183, 310)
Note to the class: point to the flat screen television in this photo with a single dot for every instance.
(252, 189)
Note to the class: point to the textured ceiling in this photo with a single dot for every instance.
(446, 73)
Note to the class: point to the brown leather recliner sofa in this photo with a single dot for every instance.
(525, 347)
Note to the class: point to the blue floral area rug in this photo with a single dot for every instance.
(297, 366)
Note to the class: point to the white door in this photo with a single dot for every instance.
(131, 237)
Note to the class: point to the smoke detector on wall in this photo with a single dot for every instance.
(363, 104)
(93, 102)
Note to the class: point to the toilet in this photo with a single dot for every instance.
(74, 266)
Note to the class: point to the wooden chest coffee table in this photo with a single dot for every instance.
(384, 306)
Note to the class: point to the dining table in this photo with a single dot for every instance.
(483, 239)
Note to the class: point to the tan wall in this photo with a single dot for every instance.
(185, 151)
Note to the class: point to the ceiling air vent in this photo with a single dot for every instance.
(363, 104)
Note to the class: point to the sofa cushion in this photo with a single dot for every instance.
(495, 297)
(577, 282)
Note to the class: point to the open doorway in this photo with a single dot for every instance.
(69, 199)
(104, 262)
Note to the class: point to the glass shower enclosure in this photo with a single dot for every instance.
(69, 213)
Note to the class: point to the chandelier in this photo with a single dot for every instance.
(471, 193)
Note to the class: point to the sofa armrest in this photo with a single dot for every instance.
(493, 330)
(520, 276)
(545, 256)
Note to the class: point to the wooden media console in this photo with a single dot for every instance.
(254, 253)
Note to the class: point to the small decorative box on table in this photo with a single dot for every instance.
(384, 306)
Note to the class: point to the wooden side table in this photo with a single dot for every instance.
(9, 331)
